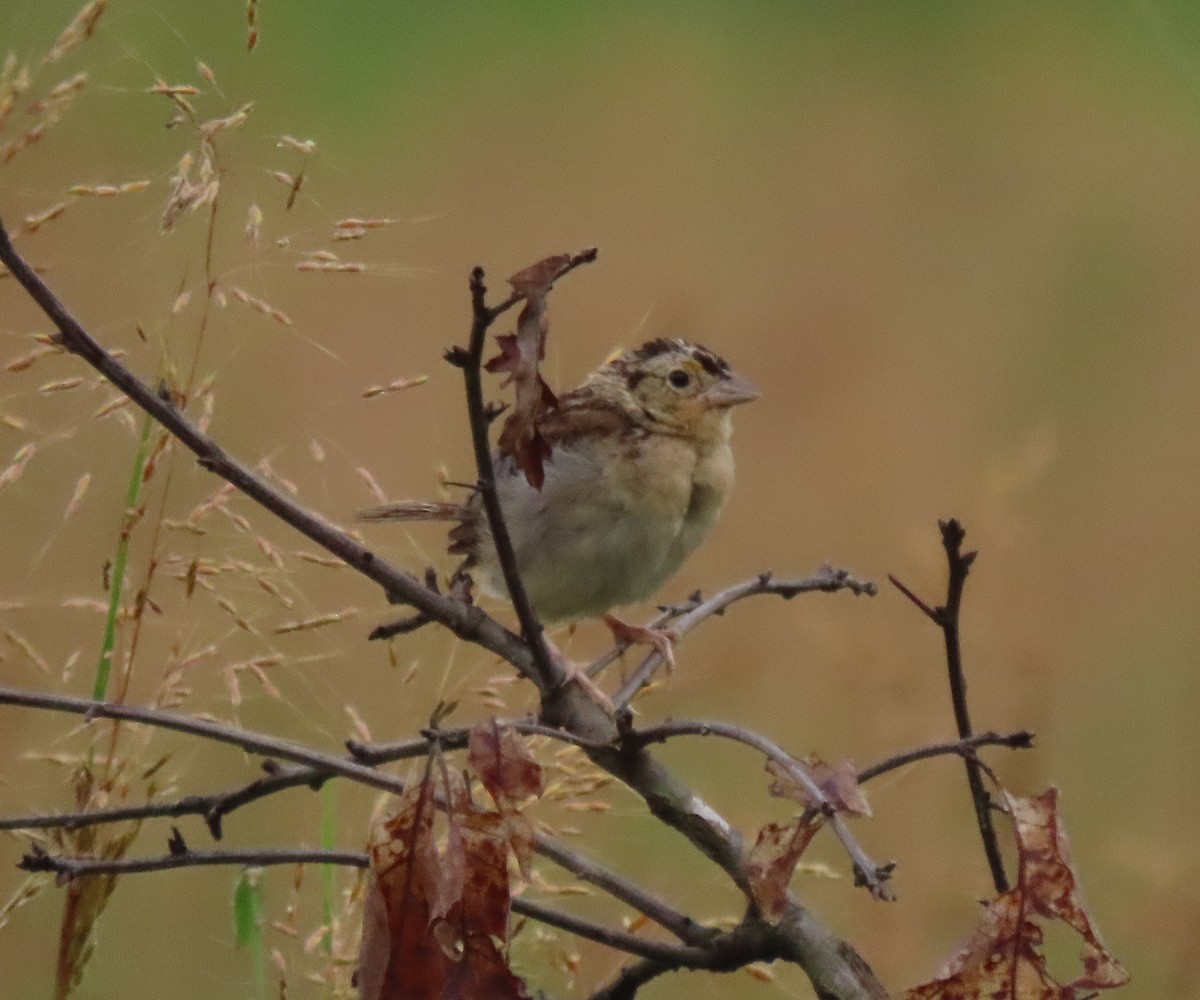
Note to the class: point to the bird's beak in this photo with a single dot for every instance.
(730, 391)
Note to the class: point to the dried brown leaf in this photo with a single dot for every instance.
(503, 763)
(1002, 957)
(773, 860)
(519, 357)
(837, 782)
(434, 921)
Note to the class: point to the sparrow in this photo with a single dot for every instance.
(639, 467)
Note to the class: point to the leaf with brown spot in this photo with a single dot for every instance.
(395, 958)
(504, 764)
(838, 783)
(1002, 957)
(773, 860)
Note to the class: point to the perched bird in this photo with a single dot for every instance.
(639, 468)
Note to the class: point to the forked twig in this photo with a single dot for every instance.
(946, 617)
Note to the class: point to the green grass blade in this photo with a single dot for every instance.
(248, 924)
(117, 579)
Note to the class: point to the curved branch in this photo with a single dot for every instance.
(632, 978)
(587, 870)
(1020, 740)
(946, 617)
(827, 580)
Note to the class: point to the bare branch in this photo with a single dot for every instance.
(632, 978)
(1020, 740)
(588, 870)
(826, 579)
(946, 617)
(71, 868)
(678, 956)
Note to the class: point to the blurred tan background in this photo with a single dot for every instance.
(956, 248)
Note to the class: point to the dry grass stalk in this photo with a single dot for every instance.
(107, 190)
(261, 306)
(254, 221)
(32, 223)
(318, 621)
(173, 90)
(396, 386)
(251, 24)
(81, 28)
(117, 402)
(27, 650)
(346, 267)
(16, 468)
(305, 147)
(210, 128)
(14, 146)
(62, 384)
(25, 361)
(81, 488)
(372, 484)
(15, 80)
(292, 183)
(188, 194)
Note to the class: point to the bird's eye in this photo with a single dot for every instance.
(679, 378)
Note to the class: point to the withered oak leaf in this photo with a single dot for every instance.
(504, 764)
(1002, 957)
(519, 357)
(837, 782)
(773, 859)
(435, 921)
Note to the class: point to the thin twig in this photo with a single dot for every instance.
(257, 743)
(679, 956)
(632, 978)
(946, 617)
(1020, 740)
(826, 579)
(70, 868)
(873, 876)
(588, 870)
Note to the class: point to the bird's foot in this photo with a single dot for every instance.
(663, 640)
(577, 673)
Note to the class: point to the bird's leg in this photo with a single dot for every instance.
(576, 672)
(663, 640)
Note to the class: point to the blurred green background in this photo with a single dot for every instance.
(954, 244)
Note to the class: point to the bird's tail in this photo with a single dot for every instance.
(414, 510)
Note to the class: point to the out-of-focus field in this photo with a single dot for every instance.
(956, 248)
